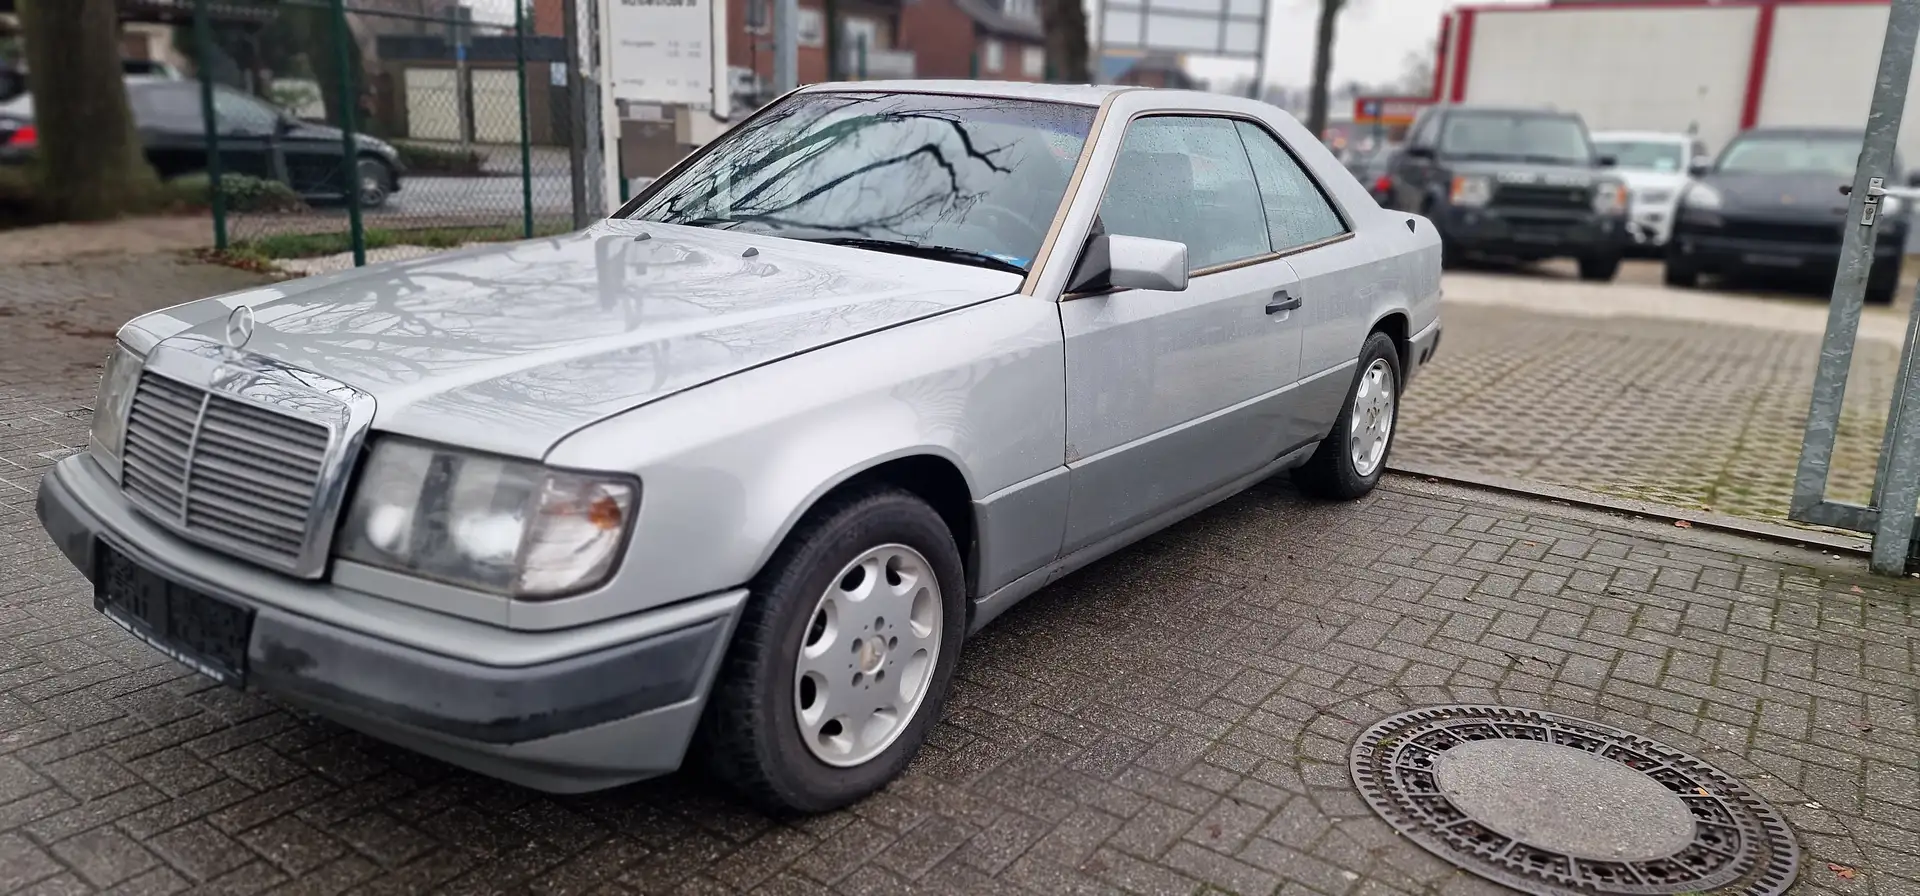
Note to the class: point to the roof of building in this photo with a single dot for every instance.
(1082, 94)
(988, 15)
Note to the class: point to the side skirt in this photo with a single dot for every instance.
(989, 608)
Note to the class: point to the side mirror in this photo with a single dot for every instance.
(1606, 161)
(1700, 168)
(1113, 261)
(1424, 153)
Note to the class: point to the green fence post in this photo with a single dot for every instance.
(526, 140)
(349, 139)
(203, 50)
(863, 57)
(973, 65)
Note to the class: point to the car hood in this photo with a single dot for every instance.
(509, 348)
(1781, 195)
(1534, 173)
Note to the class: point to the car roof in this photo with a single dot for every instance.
(1078, 94)
(1649, 136)
(1542, 111)
(1803, 132)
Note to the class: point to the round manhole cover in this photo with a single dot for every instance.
(1550, 804)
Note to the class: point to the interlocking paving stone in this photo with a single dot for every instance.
(1172, 720)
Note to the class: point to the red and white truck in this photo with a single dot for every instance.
(1677, 66)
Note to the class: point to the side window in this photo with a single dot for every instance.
(1424, 128)
(242, 114)
(1188, 180)
(1298, 213)
(167, 106)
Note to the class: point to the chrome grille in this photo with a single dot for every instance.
(224, 471)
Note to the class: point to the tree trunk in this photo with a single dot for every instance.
(1065, 22)
(1322, 66)
(89, 155)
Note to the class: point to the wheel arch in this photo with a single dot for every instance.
(929, 472)
(1397, 326)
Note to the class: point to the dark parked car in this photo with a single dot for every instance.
(1524, 184)
(1373, 170)
(1771, 205)
(255, 139)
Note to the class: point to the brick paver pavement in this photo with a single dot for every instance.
(1675, 397)
(1173, 720)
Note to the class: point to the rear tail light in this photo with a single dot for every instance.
(1383, 185)
(26, 136)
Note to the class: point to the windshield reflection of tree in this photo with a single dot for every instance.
(877, 168)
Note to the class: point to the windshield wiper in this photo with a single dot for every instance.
(916, 250)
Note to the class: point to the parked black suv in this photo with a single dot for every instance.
(1515, 183)
(1771, 206)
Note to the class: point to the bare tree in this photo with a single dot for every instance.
(1065, 22)
(89, 154)
(1322, 65)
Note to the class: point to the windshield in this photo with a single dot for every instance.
(1663, 156)
(983, 176)
(1516, 135)
(1795, 153)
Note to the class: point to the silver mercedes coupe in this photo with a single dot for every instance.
(732, 475)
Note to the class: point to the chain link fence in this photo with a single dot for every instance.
(331, 126)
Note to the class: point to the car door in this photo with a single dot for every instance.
(1337, 279)
(1171, 395)
(173, 130)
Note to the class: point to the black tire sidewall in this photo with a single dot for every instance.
(1599, 268)
(806, 783)
(1330, 472)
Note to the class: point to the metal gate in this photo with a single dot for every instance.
(1890, 514)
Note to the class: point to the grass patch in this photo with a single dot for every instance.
(315, 245)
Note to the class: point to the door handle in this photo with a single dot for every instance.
(1282, 301)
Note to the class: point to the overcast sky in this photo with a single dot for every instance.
(1372, 42)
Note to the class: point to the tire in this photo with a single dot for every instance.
(376, 182)
(1679, 275)
(1882, 292)
(754, 735)
(1599, 268)
(1332, 472)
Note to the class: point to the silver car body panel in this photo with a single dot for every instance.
(741, 387)
(510, 348)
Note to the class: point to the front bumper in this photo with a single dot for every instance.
(569, 722)
(1650, 226)
(1533, 233)
(1712, 251)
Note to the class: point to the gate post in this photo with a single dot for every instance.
(1843, 318)
(216, 194)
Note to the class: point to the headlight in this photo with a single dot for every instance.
(117, 382)
(498, 525)
(1701, 197)
(1470, 191)
(1609, 198)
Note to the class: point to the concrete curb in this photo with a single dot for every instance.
(1771, 532)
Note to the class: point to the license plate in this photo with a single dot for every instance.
(1521, 236)
(200, 632)
(1772, 261)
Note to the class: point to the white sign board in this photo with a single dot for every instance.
(662, 51)
(1210, 27)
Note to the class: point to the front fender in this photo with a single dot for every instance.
(729, 468)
